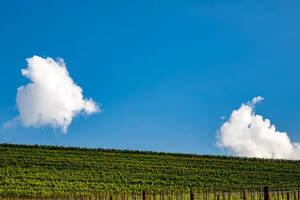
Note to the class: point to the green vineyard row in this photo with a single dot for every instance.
(33, 170)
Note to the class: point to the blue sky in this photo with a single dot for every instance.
(165, 72)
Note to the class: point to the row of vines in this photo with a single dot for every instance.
(49, 171)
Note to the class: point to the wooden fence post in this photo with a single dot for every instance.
(266, 193)
(191, 195)
(288, 195)
(144, 195)
(244, 195)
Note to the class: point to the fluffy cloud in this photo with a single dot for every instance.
(250, 135)
(51, 98)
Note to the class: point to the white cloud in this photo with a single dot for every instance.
(255, 100)
(250, 135)
(51, 98)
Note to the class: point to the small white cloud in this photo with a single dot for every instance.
(250, 135)
(11, 123)
(52, 98)
(255, 100)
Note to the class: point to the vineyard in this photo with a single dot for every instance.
(32, 171)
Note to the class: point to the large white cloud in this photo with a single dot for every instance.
(250, 135)
(52, 98)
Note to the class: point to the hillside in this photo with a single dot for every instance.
(48, 170)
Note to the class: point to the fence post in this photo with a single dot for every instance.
(244, 195)
(191, 195)
(144, 195)
(266, 193)
(288, 195)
